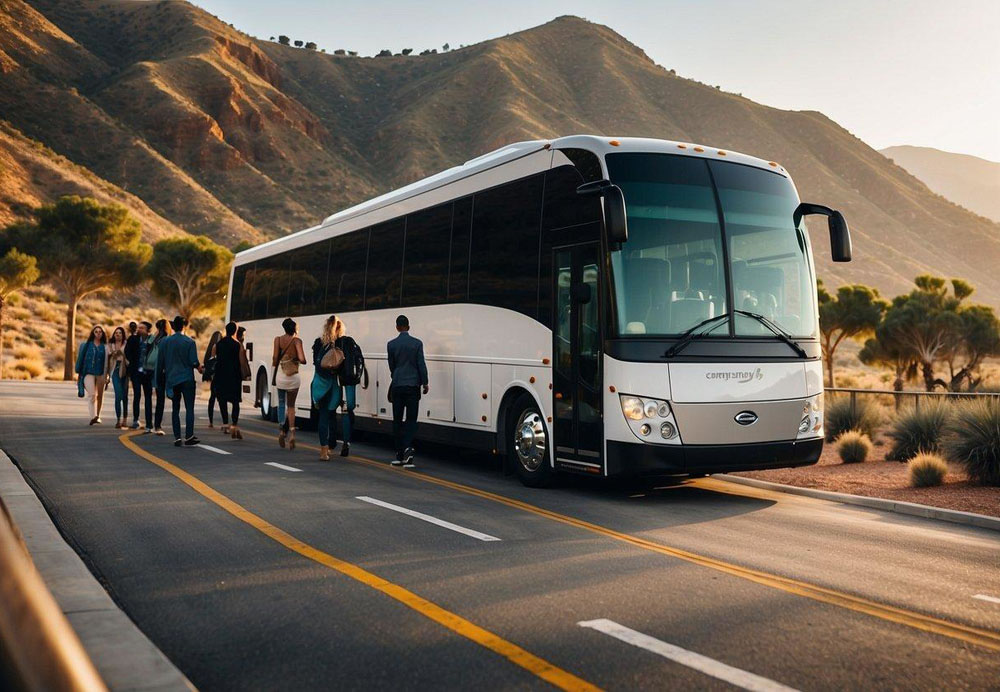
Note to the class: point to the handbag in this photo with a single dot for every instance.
(244, 365)
(288, 366)
(79, 387)
(332, 360)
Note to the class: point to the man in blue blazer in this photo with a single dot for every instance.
(409, 374)
(177, 359)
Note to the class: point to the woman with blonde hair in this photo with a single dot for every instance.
(327, 361)
(91, 370)
(118, 368)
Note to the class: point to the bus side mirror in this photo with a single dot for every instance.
(840, 234)
(614, 207)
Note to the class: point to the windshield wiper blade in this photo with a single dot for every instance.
(776, 330)
(690, 335)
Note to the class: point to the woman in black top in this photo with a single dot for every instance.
(228, 379)
(209, 376)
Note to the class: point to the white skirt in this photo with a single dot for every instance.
(287, 382)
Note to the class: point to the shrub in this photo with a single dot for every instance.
(26, 369)
(853, 447)
(918, 430)
(839, 418)
(927, 470)
(972, 440)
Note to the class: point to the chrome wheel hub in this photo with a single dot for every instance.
(529, 440)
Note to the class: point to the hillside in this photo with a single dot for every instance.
(246, 139)
(967, 180)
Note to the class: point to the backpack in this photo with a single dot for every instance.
(353, 369)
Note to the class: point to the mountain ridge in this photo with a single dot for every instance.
(223, 134)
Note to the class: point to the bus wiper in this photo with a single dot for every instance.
(690, 335)
(776, 330)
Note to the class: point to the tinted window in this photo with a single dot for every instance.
(505, 239)
(563, 207)
(425, 267)
(586, 163)
(345, 290)
(241, 303)
(307, 279)
(458, 282)
(277, 294)
(385, 265)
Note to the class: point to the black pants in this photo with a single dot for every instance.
(404, 400)
(185, 390)
(161, 399)
(223, 409)
(211, 405)
(142, 384)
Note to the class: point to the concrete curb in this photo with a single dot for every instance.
(913, 509)
(125, 658)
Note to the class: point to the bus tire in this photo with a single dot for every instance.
(263, 396)
(528, 444)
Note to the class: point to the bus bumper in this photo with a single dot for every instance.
(627, 459)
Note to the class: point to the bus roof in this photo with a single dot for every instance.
(598, 144)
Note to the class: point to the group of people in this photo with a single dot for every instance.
(153, 362)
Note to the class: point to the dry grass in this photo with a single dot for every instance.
(853, 447)
(927, 470)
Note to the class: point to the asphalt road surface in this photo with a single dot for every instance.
(255, 567)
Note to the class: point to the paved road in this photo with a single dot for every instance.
(250, 575)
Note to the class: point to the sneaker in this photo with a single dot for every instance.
(159, 431)
(98, 420)
(408, 459)
(345, 450)
(178, 442)
(148, 431)
(397, 462)
(134, 426)
(191, 441)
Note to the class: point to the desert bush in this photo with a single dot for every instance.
(927, 470)
(30, 368)
(27, 352)
(839, 418)
(972, 440)
(918, 430)
(853, 447)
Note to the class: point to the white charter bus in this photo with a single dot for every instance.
(590, 305)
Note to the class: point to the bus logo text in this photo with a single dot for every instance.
(740, 376)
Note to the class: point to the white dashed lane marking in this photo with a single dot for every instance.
(283, 467)
(428, 518)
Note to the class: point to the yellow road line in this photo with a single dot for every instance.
(456, 623)
(926, 623)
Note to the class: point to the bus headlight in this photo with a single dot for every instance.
(668, 430)
(650, 409)
(811, 424)
(804, 424)
(632, 407)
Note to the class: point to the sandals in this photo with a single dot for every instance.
(281, 439)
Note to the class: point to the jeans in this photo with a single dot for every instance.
(328, 415)
(121, 394)
(224, 410)
(186, 390)
(142, 385)
(161, 398)
(405, 399)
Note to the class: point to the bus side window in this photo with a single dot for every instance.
(385, 265)
(458, 274)
(425, 261)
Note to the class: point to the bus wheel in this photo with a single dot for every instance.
(264, 397)
(529, 444)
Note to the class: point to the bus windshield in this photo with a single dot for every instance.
(672, 273)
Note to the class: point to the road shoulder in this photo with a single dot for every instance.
(125, 658)
(911, 508)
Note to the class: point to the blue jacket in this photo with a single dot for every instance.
(406, 361)
(90, 359)
(177, 358)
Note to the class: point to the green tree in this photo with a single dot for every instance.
(311, 45)
(241, 246)
(17, 271)
(192, 274)
(883, 351)
(978, 338)
(283, 40)
(298, 43)
(83, 247)
(926, 323)
(853, 313)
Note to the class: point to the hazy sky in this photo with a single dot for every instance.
(923, 72)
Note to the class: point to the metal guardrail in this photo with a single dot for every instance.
(38, 648)
(900, 396)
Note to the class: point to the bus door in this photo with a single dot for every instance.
(576, 348)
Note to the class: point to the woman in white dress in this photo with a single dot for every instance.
(285, 361)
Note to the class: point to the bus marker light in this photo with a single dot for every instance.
(614, 143)
(484, 395)
(545, 361)
(531, 379)
(721, 153)
(698, 149)
(682, 146)
(611, 388)
(484, 419)
(644, 428)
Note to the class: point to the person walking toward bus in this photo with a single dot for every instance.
(209, 376)
(327, 359)
(408, 371)
(156, 377)
(286, 357)
(228, 380)
(350, 375)
(144, 376)
(177, 358)
(91, 369)
(135, 352)
(118, 365)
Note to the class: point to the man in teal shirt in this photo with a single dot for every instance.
(176, 360)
